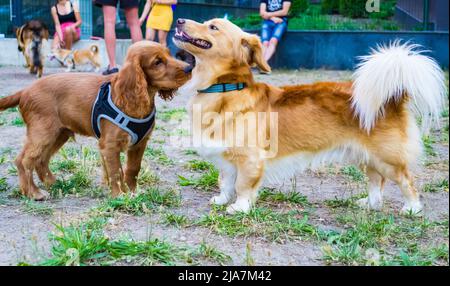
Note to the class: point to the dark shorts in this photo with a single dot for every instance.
(124, 4)
(271, 30)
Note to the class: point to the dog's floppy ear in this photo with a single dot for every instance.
(254, 52)
(131, 80)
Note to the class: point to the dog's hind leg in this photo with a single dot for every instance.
(134, 160)
(248, 180)
(227, 181)
(376, 184)
(42, 169)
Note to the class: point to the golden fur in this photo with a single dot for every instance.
(54, 113)
(316, 122)
(78, 59)
(30, 40)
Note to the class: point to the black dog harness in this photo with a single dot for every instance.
(105, 108)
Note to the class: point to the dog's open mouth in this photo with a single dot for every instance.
(182, 36)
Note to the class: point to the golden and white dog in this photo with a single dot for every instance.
(369, 121)
(78, 60)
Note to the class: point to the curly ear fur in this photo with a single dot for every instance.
(131, 86)
(253, 52)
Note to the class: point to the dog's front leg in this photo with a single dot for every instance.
(249, 177)
(134, 160)
(227, 180)
(111, 156)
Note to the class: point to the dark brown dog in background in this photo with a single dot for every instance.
(30, 40)
(54, 113)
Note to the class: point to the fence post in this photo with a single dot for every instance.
(426, 14)
(86, 15)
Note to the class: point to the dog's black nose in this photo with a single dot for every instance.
(181, 22)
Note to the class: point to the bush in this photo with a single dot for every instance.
(330, 6)
(298, 7)
(353, 8)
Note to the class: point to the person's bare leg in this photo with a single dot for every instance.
(133, 22)
(68, 38)
(162, 37)
(109, 14)
(265, 47)
(271, 49)
(150, 34)
(55, 43)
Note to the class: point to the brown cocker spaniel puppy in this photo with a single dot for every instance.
(54, 113)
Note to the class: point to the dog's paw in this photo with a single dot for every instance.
(241, 205)
(366, 203)
(412, 209)
(219, 200)
(40, 195)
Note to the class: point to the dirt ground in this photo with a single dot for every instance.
(329, 193)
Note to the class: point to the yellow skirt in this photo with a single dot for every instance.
(161, 17)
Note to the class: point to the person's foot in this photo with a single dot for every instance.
(110, 71)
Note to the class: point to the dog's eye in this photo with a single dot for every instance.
(213, 27)
(158, 62)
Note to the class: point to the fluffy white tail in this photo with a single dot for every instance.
(393, 72)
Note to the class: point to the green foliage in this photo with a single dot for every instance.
(354, 173)
(298, 7)
(142, 202)
(353, 8)
(439, 186)
(3, 184)
(263, 222)
(269, 195)
(206, 182)
(329, 6)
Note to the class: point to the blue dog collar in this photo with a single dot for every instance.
(223, 87)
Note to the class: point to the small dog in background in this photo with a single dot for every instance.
(78, 60)
(30, 39)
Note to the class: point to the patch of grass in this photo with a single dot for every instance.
(260, 222)
(66, 165)
(147, 178)
(37, 208)
(292, 197)
(428, 142)
(177, 220)
(78, 183)
(377, 233)
(199, 165)
(159, 155)
(144, 201)
(349, 203)
(439, 186)
(190, 152)
(416, 256)
(213, 254)
(3, 184)
(172, 114)
(354, 173)
(86, 244)
(12, 170)
(77, 245)
(17, 121)
(206, 182)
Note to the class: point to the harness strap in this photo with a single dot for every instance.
(104, 108)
